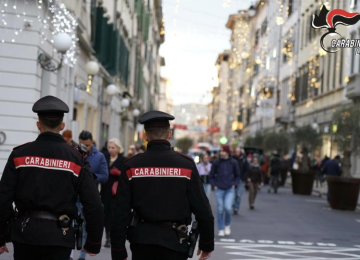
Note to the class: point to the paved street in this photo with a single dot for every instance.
(284, 226)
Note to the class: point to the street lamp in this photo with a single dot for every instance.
(110, 90)
(136, 112)
(125, 102)
(252, 11)
(62, 43)
(91, 68)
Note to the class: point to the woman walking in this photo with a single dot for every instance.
(204, 168)
(115, 161)
(255, 178)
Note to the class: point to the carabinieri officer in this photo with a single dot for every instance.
(157, 192)
(43, 178)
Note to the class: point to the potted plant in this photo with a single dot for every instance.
(308, 139)
(344, 190)
(277, 141)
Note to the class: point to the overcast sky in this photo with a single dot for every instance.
(195, 34)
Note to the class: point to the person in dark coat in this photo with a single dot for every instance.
(284, 168)
(115, 161)
(224, 176)
(244, 168)
(255, 178)
(43, 178)
(275, 165)
(157, 194)
(332, 168)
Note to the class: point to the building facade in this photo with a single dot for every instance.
(113, 34)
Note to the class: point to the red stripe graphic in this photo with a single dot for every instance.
(341, 12)
(47, 163)
(158, 172)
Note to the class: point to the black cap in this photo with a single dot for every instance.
(155, 119)
(51, 107)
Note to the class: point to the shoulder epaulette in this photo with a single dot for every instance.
(183, 155)
(127, 159)
(16, 147)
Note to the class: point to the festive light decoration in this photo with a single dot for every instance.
(64, 22)
(280, 18)
(51, 14)
(13, 28)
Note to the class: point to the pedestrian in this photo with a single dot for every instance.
(67, 135)
(224, 176)
(131, 151)
(115, 160)
(274, 172)
(99, 167)
(284, 169)
(265, 168)
(163, 188)
(43, 179)
(214, 157)
(104, 150)
(95, 158)
(332, 168)
(243, 167)
(204, 168)
(254, 179)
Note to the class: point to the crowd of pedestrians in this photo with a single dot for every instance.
(106, 165)
(229, 174)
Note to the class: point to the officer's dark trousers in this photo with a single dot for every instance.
(154, 252)
(32, 252)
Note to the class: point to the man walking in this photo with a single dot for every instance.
(161, 189)
(99, 167)
(204, 168)
(244, 168)
(274, 172)
(332, 168)
(224, 176)
(43, 178)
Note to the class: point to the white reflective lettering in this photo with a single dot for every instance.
(246, 241)
(27, 160)
(136, 171)
(286, 243)
(265, 242)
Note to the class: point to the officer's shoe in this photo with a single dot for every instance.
(221, 233)
(227, 230)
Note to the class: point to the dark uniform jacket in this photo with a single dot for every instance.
(43, 176)
(161, 186)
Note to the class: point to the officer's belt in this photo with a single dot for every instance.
(172, 225)
(41, 215)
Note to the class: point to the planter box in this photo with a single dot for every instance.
(343, 192)
(302, 182)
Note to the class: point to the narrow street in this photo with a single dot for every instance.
(284, 226)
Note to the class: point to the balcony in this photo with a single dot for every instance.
(353, 87)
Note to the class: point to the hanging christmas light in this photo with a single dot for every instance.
(64, 22)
